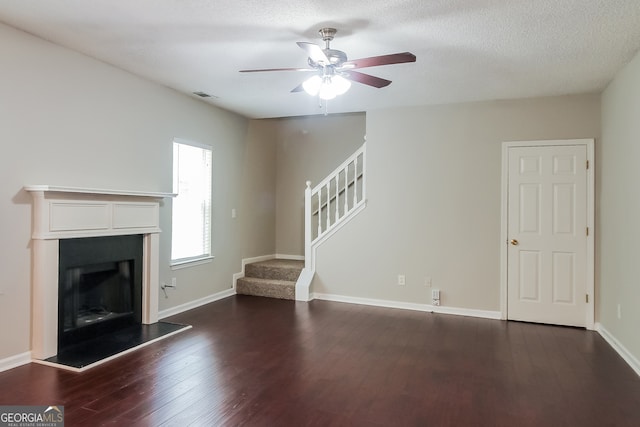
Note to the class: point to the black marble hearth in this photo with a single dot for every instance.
(93, 351)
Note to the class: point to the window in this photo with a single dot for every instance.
(191, 219)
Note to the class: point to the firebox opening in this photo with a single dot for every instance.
(100, 287)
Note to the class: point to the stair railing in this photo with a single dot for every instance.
(328, 206)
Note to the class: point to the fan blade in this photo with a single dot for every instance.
(366, 79)
(394, 58)
(314, 51)
(277, 69)
(298, 88)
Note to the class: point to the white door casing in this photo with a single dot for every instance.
(547, 254)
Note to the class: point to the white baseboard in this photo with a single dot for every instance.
(15, 361)
(293, 257)
(485, 314)
(196, 303)
(619, 348)
(246, 261)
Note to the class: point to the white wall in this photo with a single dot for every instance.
(619, 208)
(433, 191)
(67, 119)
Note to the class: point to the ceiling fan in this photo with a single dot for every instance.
(334, 72)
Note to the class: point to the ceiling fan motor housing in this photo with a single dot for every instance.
(336, 59)
(327, 33)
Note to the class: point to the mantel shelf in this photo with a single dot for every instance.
(79, 190)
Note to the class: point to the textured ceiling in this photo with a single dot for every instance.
(467, 50)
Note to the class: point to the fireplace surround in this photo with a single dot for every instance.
(61, 213)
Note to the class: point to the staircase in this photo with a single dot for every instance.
(327, 207)
(275, 278)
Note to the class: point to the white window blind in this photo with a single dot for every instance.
(191, 215)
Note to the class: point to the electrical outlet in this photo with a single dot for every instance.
(401, 280)
(619, 312)
(427, 281)
(435, 297)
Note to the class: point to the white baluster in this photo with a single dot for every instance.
(355, 181)
(319, 213)
(364, 174)
(337, 198)
(307, 226)
(346, 190)
(328, 204)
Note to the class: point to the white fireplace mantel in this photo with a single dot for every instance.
(68, 212)
(81, 190)
(73, 212)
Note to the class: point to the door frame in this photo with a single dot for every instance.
(590, 274)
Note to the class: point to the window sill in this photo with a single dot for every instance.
(177, 265)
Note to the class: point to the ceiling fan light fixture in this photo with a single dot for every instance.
(326, 87)
(340, 84)
(327, 90)
(312, 85)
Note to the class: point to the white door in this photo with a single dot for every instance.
(547, 234)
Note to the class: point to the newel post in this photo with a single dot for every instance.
(307, 226)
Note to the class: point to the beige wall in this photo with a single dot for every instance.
(308, 148)
(67, 119)
(619, 208)
(433, 185)
(433, 191)
(258, 214)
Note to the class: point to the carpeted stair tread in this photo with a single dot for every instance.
(288, 263)
(283, 289)
(277, 269)
(274, 278)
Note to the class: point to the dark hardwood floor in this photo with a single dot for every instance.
(263, 362)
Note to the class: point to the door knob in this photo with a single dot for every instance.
(514, 242)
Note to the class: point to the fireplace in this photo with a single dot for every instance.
(79, 290)
(99, 287)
